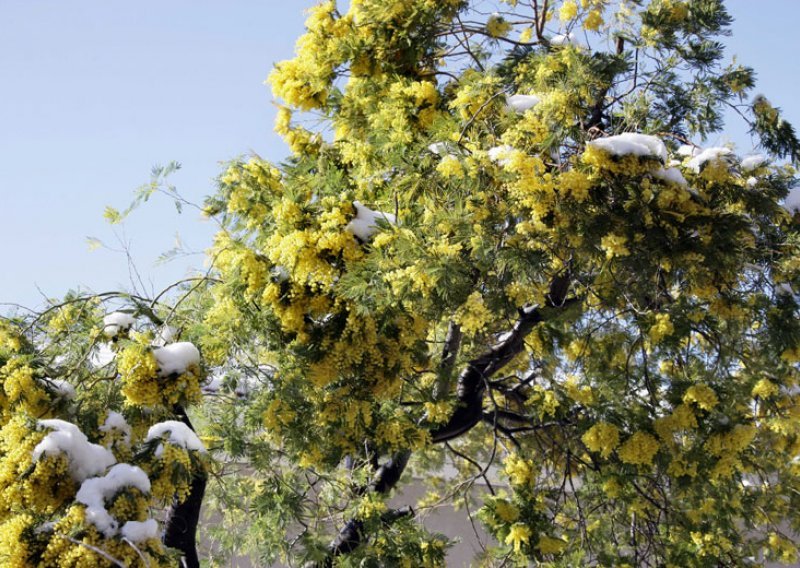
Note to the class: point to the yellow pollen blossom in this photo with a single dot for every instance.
(661, 328)
(517, 535)
(568, 11)
(639, 449)
(602, 438)
(593, 21)
(614, 245)
(702, 396)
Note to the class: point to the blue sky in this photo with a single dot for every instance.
(94, 93)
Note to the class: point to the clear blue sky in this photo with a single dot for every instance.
(93, 93)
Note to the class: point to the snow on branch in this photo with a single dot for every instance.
(179, 434)
(115, 322)
(501, 155)
(365, 223)
(176, 358)
(95, 491)
(115, 421)
(85, 459)
(755, 161)
(670, 175)
(61, 388)
(709, 155)
(521, 103)
(632, 144)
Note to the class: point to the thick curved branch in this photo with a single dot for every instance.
(472, 380)
(452, 343)
(470, 390)
(180, 525)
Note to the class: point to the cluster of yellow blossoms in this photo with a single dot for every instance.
(44, 520)
(669, 335)
(142, 385)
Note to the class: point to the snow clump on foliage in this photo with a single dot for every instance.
(115, 421)
(672, 175)
(365, 223)
(136, 531)
(689, 150)
(176, 358)
(85, 459)
(115, 322)
(750, 163)
(500, 154)
(179, 435)
(95, 491)
(632, 144)
(61, 388)
(708, 155)
(521, 103)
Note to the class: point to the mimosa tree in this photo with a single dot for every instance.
(499, 248)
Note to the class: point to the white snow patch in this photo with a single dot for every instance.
(439, 148)
(94, 492)
(364, 224)
(632, 143)
(136, 531)
(501, 337)
(689, 150)
(213, 385)
(751, 182)
(116, 421)
(279, 273)
(521, 103)
(115, 322)
(792, 201)
(500, 154)
(244, 385)
(165, 334)
(749, 481)
(708, 155)
(176, 358)
(85, 459)
(671, 175)
(563, 39)
(45, 527)
(61, 387)
(749, 163)
(179, 435)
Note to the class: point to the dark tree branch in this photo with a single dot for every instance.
(389, 473)
(351, 536)
(180, 525)
(346, 541)
(470, 390)
(452, 343)
(473, 379)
